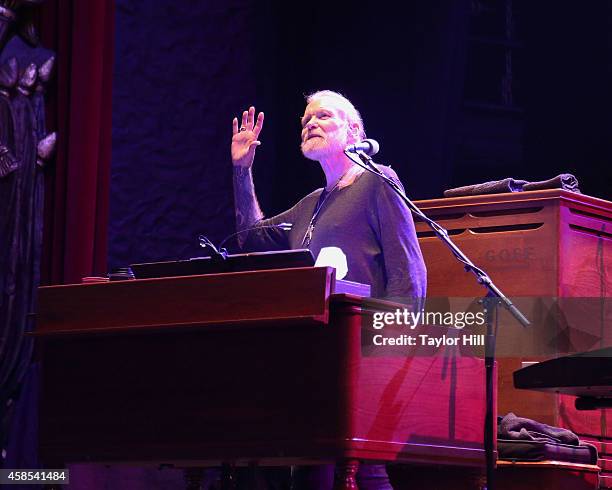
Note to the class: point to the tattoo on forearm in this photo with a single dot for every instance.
(245, 201)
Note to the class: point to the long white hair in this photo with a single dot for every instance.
(352, 114)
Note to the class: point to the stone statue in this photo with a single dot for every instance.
(25, 147)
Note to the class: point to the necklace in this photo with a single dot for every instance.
(322, 198)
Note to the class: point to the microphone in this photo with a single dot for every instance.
(369, 147)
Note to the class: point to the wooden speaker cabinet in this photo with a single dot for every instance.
(536, 246)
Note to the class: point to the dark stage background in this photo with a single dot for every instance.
(456, 92)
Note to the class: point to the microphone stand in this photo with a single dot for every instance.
(490, 303)
(216, 254)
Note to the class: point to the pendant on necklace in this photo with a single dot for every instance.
(308, 236)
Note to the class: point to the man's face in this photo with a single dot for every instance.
(325, 130)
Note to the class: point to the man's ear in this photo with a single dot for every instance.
(355, 132)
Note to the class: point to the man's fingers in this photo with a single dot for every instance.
(251, 118)
(248, 122)
(259, 124)
(254, 143)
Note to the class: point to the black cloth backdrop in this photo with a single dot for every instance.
(182, 70)
(403, 69)
(179, 81)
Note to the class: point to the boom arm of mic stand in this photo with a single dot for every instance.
(482, 277)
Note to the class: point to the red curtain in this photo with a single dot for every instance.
(79, 108)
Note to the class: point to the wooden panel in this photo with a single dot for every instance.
(546, 475)
(537, 244)
(426, 405)
(605, 481)
(275, 395)
(605, 464)
(509, 476)
(531, 198)
(606, 448)
(517, 250)
(590, 423)
(301, 293)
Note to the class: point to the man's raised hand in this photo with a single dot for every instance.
(245, 138)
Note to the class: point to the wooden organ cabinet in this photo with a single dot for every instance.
(536, 246)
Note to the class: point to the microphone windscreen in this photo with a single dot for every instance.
(374, 147)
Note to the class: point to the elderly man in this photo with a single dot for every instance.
(356, 212)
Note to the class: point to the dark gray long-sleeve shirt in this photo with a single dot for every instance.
(369, 223)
